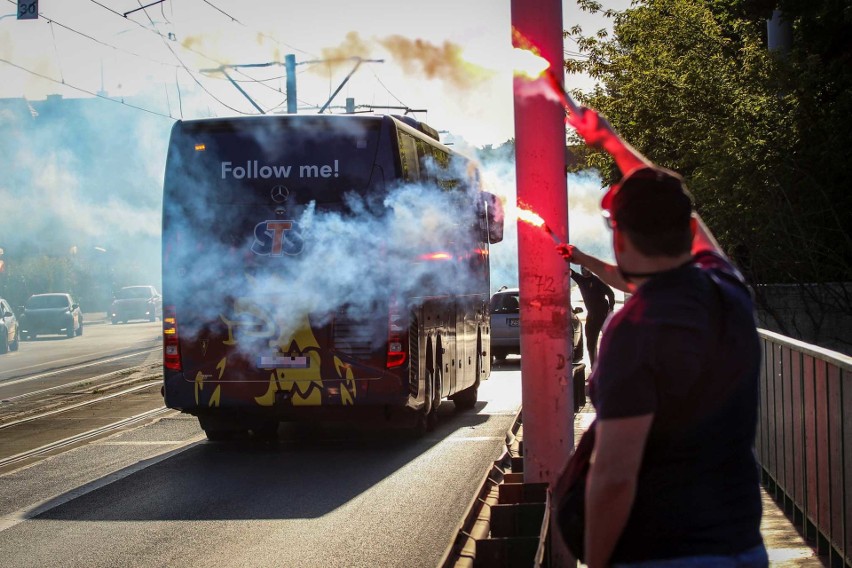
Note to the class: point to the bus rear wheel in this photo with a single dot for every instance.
(218, 429)
(265, 431)
(466, 399)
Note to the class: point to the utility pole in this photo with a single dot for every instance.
(290, 67)
(544, 278)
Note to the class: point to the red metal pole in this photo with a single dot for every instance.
(544, 276)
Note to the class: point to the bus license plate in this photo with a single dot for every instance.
(514, 322)
(283, 362)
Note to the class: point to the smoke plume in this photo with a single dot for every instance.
(415, 56)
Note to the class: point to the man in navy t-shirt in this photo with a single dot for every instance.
(673, 479)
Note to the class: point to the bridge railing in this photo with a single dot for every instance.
(804, 440)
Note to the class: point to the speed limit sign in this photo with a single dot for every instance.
(27, 9)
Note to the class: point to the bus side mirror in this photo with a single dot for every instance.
(493, 217)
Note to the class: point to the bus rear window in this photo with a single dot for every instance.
(301, 160)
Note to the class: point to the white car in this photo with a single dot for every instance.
(136, 303)
(9, 333)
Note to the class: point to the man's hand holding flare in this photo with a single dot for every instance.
(566, 250)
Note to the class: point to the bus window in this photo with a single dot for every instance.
(408, 157)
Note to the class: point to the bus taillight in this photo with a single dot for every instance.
(171, 340)
(396, 335)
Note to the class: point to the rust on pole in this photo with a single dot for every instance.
(544, 278)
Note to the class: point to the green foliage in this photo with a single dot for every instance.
(763, 140)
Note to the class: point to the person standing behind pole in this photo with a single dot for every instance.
(672, 480)
(599, 300)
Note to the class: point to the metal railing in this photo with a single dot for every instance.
(804, 440)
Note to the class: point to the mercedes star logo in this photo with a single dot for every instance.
(280, 194)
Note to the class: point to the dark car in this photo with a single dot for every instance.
(135, 303)
(51, 314)
(506, 336)
(9, 332)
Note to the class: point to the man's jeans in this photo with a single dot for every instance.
(752, 558)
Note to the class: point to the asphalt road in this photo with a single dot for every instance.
(160, 495)
(50, 352)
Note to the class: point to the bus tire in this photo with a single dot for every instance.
(467, 399)
(421, 424)
(217, 429)
(266, 431)
(219, 435)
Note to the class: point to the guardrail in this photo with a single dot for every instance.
(804, 440)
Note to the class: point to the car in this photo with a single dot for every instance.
(9, 329)
(505, 311)
(136, 302)
(506, 325)
(55, 313)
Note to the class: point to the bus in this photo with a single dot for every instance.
(322, 267)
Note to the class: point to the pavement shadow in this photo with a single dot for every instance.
(311, 471)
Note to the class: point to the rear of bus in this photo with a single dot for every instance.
(235, 354)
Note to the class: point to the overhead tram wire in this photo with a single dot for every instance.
(101, 42)
(82, 90)
(179, 60)
(220, 63)
(62, 81)
(397, 99)
(262, 82)
(249, 79)
(181, 65)
(56, 50)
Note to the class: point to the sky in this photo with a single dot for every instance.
(446, 61)
(88, 44)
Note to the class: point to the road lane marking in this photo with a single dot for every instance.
(16, 517)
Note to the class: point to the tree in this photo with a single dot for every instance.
(763, 139)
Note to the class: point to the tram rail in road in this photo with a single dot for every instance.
(46, 449)
(44, 421)
(81, 368)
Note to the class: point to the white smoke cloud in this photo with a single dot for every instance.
(418, 241)
(585, 225)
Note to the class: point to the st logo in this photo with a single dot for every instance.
(277, 237)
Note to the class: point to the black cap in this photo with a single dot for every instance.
(650, 200)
